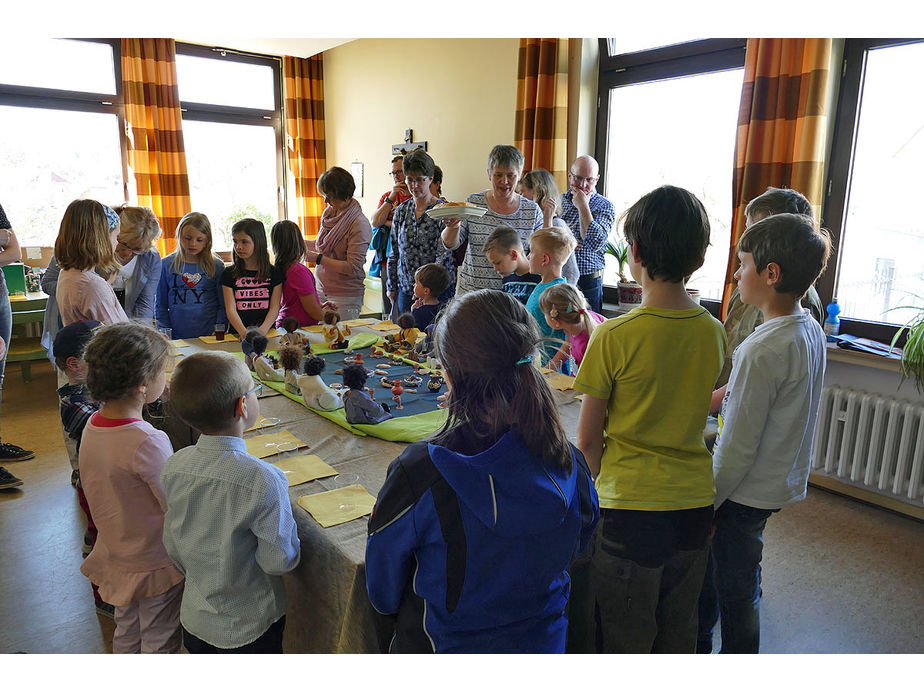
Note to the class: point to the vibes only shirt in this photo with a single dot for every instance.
(251, 295)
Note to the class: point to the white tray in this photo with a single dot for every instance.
(458, 212)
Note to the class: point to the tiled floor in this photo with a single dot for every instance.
(839, 576)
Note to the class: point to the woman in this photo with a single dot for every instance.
(135, 285)
(341, 245)
(505, 208)
(299, 295)
(415, 237)
(539, 186)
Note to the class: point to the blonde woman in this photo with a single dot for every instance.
(139, 273)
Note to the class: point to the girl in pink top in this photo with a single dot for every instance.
(299, 296)
(85, 245)
(565, 308)
(121, 458)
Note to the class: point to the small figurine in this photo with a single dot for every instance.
(386, 382)
(412, 380)
(314, 392)
(358, 359)
(254, 346)
(435, 383)
(335, 335)
(407, 337)
(358, 406)
(292, 335)
(397, 390)
(290, 356)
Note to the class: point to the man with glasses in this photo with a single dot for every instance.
(381, 224)
(590, 216)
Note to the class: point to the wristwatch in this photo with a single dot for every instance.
(390, 201)
(317, 260)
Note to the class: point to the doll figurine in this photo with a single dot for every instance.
(358, 406)
(292, 335)
(290, 357)
(335, 335)
(314, 392)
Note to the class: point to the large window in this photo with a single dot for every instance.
(875, 181)
(669, 117)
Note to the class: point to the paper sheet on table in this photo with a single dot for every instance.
(262, 422)
(384, 326)
(580, 397)
(545, 371)
(180, 343)
(265, 445)
(212, 339)
(273, 332)
(326, 508)
(560, 381)
(314, 328)
(304, 468)
(355, 322)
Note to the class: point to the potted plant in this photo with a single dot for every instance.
(630, 293)
(913, 352)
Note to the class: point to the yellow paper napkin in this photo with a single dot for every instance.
(338, 506)
(560, 381)
(304, 468)
(262, 422)
(210, 338)
(314, 328)
(384, 326)
(179, 343)
(265, 445)
(359, 321)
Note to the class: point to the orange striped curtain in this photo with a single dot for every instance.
(782, 127)
(154, 131)
(305, 149)
(541, 129)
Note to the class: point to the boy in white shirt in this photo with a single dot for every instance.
(767, 422)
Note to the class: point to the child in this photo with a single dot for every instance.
(548, 250)
(767, 424)
(358, 406)
(473, 532)
(430, 281)
(121, 458)
(85, 246)
(647, 378)
(314, 392)
(290, 359)
(504, 251)
(252, 286)
(190, 298)
(229, 523)
(566, 309)
(292, 335)
(335, 334)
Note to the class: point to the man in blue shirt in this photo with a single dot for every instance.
(590, 216)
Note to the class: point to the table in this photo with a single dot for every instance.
(328, 609)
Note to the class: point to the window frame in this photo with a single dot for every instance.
(656, 64)
(840, 172)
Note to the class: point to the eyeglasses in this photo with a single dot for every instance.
(258, 388)
(395, 174)
(415, 180)
(581, 180)
(134, 251)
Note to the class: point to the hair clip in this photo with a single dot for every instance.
(554, 312)
(525, 359)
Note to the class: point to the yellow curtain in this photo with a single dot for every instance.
(782, 127)
(541, 129)
(154, 131)
(305, 149)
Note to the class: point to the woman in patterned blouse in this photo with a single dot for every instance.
(415, 237)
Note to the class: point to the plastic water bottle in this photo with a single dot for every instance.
(832, 322)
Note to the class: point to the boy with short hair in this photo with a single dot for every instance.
(505, 252)
(647, 377)
(767, 423)
(229, 526)
(549, 249)
(430, 281)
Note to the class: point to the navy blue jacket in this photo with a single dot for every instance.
(471, 553)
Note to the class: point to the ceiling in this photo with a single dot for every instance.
(297, 47)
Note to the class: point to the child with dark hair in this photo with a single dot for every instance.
(430, 281)
(359, 405)
(767, 424)
(121, 458)
(252, 285)
(474, 532)
(315, 392)
(290, 360)
(504, 250)
(647, 377)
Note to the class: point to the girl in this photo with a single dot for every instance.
(85, 246)
(299, 295)
(539, 186)
(190, 299)
(252, 286)
(358, 406)
(121, 458)
(473, 533)
(314, 392)
(135, 284)
(565, 308)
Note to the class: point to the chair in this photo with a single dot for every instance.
(23, 349)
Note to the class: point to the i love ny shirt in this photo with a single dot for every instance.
(251, 295)
(190, 302)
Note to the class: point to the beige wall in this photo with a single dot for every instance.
(457, 94)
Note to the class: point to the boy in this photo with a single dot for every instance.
(229, 525)
(647, 377)
(430, 281)
(549, 249)
(504, 251)
(767, 424)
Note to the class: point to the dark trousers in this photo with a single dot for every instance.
(732, 591)
(592, 288)
(268, 643)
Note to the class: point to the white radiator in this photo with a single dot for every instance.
(871, 441)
